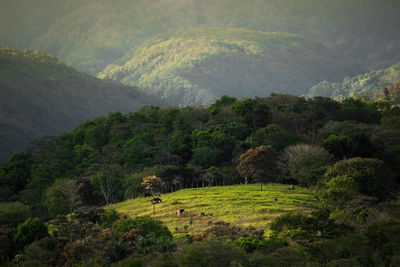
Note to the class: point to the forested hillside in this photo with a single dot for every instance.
(198, 65)
(91, 34)
(40, 96)
(366, 84)
(346, 152)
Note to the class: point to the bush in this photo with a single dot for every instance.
(30, 230)
(108, 218)
(338, 192)
(318, 226)
(250, 244)
(13, 213)
(213, 253)
(145, 234)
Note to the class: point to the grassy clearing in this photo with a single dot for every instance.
(241, 205)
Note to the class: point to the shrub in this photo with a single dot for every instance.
(30, 230)
(339, 191)
(108, 218)
(213, 253)
(13, 213)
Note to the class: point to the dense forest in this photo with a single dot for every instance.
(363, 85)
(347, 152)
(40, 95)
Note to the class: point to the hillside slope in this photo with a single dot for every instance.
(90, 34)
(241, 205)
(364, 84)
(39, 96)
(198, 65)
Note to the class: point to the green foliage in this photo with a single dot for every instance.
(213, 253)
(30, 230)
(250, 244)
(184, 66)
(372, 175)
(15, 173)
(353, 145)
(41, 90)
(338, 192)
(305, 166)
(108, 218)
(369, 83)
(55, 200)
(13, 213)
(220, 103)
(299, 227)
(273, 135)
(144, 225)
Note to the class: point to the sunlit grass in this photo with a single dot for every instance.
(242, 205)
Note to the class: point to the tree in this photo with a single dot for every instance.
(152, 183)
(253, 112)
(108, 181)
(373, 176)
(70, 190)
(353, 145)
(258, 164)
(273, 135)
(303, 166)
(216, 107)
(15, 174)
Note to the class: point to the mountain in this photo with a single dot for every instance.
(89, 35)
(198, 65)
(368, 83)
(39, 96)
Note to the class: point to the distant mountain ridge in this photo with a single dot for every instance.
(89, 34)
(198, 65)
(368, 83)
(39, 96)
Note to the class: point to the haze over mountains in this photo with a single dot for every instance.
(367, 84)
(40, 96)
(91, 34)
(198, 65)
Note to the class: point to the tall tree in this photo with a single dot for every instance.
(258, 164)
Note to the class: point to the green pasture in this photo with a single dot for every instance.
(241, 205)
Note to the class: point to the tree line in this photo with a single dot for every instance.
(348, 151)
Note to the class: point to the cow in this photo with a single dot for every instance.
(292, 187)
(202, 214)
(156, 200)
(179, 212)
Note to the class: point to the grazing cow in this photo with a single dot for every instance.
(291, 187)
(179, 212)
(202, 214)
(156, 200)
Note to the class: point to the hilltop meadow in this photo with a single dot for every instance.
(241, 205)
